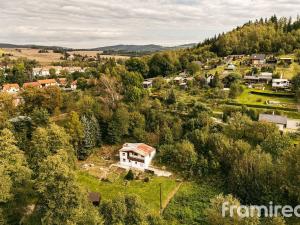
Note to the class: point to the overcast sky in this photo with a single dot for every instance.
(95, 23)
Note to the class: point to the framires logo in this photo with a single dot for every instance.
(260, 211)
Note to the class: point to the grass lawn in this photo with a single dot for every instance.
(249, 98)
(189, 203)
(290, 71)
(149, 192)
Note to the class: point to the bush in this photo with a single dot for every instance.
(129, 175)
(146, 179)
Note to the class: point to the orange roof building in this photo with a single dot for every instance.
(136, 155)
(11, 88)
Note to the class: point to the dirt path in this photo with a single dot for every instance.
(170, 196)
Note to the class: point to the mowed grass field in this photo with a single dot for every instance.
(149, 192)
(253, 98)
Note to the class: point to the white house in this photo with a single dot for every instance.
(282, 122)
(209, 78)
(258, 59)
(11, 88)
(231, 67)
(147, 84)
(280, 83)
(136, 155)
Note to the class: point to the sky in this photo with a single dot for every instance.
(97, 23)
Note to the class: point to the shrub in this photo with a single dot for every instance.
(129, 175)
(146, 179)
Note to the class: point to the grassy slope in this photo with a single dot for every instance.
(250, 98)
(188, 205)
(149, 192)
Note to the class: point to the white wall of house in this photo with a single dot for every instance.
(13, 90)
(124, 160)
(293, 124)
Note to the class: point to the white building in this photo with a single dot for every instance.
(280, 83)
(11, 88)
(282, 122)
(136, 155)
(147, 84)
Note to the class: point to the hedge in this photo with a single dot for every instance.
(273, 94)
(262, 106)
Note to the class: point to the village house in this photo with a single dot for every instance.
(74, 85)
(147, 84)
(62, 82)
(280, 83)
(11, 88)
(258, 59)
(48, 83)
(209, 78)
(264, 77)
(137, 155)
(45, 71)
(32, 84)
(286, 60)
(74, 69)
(178, 80)
(282, 122)
(230, 67)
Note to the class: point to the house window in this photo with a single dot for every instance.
(124, 160)
(135, 162)
(124, 153)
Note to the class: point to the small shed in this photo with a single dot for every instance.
(94, 198)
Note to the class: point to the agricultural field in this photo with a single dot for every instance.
(94, 54)
(50, 57)
(42, 58)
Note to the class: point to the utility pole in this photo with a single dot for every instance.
(160, 199)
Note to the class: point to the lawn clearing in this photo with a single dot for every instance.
(250, 98)
(147, 191)
(289, 72)
(189, 203)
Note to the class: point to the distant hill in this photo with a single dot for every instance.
(140, 48)
(5, 45)
(115, 48)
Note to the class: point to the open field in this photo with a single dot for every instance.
(290, 71)
(48, 58)
(94, 54)
(43, 58)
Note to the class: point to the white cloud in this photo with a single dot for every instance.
(92, 23)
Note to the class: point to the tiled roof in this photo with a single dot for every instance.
(6, 87)
(47, 81)
(31, 84)
(139, 148)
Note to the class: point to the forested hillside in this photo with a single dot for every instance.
(265, 35)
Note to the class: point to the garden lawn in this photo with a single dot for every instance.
(147, 191)
(290, 71)
(249, 98)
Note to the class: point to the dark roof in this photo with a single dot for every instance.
(258, 56)
(94, 197)
(273, 118)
